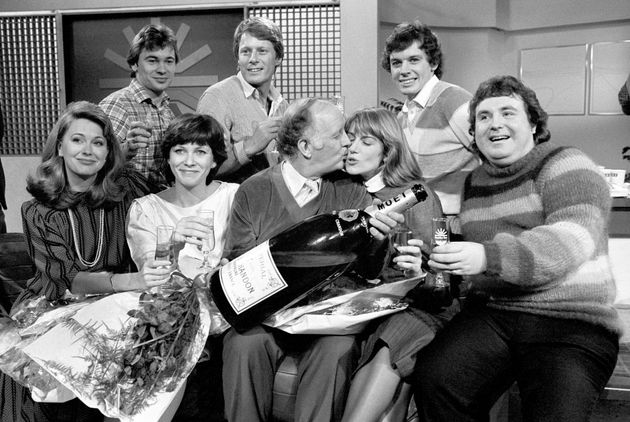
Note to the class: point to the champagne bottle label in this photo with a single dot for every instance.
(402, 201)
(251, 278)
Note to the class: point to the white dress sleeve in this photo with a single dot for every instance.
(141, 232)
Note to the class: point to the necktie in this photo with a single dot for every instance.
(309, 190)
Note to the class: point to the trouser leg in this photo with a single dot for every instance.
(324, 372)
(464, 370)
(562, 376)
(250, 361)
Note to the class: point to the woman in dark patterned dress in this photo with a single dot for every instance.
(75, 229)
(380, 156)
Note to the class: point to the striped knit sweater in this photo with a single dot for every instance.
(439, 140)
(543, 222)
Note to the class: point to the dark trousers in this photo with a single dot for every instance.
(561, 366)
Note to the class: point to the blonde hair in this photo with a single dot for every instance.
(399, 167)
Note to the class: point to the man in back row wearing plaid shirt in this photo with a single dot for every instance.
(140, 112)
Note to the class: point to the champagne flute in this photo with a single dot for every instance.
(163, 249)
(141, 121)
(144, 116)
(441, 236)
(400, 237)
(272, 152)
(207, 243)
(339, 101)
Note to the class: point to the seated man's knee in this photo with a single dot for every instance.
(337, 347)
(250, 341)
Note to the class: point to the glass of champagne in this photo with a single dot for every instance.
(163, 250)
(272, 152)
(339, 101)
(207, 244)
(144, 116)
(400, 237)
(441, 236)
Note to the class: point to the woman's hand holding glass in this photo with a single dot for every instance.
(461, 258)
(155, 272)
(409, 257)
(191, 230)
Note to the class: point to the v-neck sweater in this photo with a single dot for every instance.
(264, 206)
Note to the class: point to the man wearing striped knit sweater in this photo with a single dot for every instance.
(435, 113)
(539, 310)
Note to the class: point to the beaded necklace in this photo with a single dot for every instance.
(99, 250)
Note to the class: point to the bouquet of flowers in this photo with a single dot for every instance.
(127, 354)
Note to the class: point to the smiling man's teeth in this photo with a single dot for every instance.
(498, 138)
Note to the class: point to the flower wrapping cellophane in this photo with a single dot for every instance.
(343, 311)
(127, 354)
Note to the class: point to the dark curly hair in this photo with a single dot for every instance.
(404, 35)
(509, 86)
(198, 129)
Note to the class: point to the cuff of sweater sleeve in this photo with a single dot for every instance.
(493, 258)
(239, 152)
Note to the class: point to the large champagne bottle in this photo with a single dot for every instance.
(282, 270)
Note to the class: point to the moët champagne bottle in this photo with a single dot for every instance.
(281, 271)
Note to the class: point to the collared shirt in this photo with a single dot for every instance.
(302, 188)
(134, 103)
(250, 91)
(413, 107)
(375, 183)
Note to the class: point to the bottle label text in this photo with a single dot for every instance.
(251, 278)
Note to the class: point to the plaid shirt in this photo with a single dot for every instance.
(134, 103)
